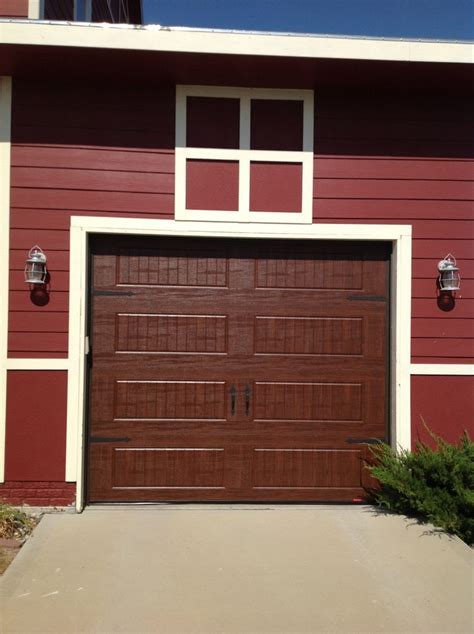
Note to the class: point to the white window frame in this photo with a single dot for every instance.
(244, 155)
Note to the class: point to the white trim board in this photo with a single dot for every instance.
(81, 227)
(37, 364)
(442, 369)
(187, 40)
(34, 7)
(5, 154)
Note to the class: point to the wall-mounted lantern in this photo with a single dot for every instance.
(449, 278)
(35, 267)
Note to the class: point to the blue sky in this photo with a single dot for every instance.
(443, 19)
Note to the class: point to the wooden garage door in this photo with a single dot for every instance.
(235, 370)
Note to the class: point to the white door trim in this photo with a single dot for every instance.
(5, 159)
(81, 227)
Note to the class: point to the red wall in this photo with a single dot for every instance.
(406, 161)
(84, 149)
(13, 8)
(36, 433)
(79, 150)
(445, 404)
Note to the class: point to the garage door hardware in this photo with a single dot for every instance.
(233, 395)
(109, 439)
(365, 441)
(247, 394)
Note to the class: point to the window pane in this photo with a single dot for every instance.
(276, 125)
(212, 122)
(275, 186)
(212, 185)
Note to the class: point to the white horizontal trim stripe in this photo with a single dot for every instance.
(157, 38)
(37, 364)
(271, 156)
(144, 226)
(442, 369)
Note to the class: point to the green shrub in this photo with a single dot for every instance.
(435, 485)
(14, 523)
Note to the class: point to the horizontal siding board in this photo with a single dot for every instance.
(423, 229)
(388, 168)
(159, 114)
(439, 248)
(93, 95)
(140, 139)
(441, 360)
(57, 260)
(21, 301)
(396, 148)
(47, 239)
(393, 107)
(428, 287)
(18, 354)
(427, 268)
(93, 158)
(90, 200)
(439, 327)
(38, 322)
(395, 210)
(59, 280)
(443, 347)
(101, 180)
(464, 309)
(37, 342)
(399, 129)
(393, 189)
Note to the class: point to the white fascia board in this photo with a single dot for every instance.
(182, 40)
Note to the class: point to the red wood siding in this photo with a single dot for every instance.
(445, 404)
(394, 161)
(13, 8)
(36, 425)
(102, 150)
(79, 150)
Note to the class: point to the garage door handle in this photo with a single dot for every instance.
(248, 394)
(233, 396)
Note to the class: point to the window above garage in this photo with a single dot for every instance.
(244, 154)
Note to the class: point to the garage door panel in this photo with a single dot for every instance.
(235, 369)
(166, 266)
(296, 270)
(300, 401)
(136, 332)
(169, 467)
(301, 468)
(170, 400)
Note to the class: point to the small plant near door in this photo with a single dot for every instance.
(432, 484)
(15, 526)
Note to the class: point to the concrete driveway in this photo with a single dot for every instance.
(237, 569)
